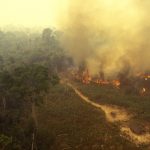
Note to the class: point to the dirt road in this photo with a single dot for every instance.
(116, 114)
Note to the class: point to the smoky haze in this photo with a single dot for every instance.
(108, 36)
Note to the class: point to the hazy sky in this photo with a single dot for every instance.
(30, 13)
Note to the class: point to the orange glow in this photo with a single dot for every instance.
(101, 82)
(86, 78)
(116, 83)
(142, 75)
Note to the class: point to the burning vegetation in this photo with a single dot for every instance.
(108, 37)
(139, 84)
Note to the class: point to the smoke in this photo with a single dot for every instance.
(108, 36)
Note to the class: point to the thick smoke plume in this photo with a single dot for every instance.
(109, 36)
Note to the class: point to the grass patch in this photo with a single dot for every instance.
(109, 95)
(70, 123)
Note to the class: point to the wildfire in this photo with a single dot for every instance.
(144, 76)
(102, 82)
(87, 79)
(147, 77)
(143, 91)
(116, 83)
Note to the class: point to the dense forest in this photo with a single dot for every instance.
(29, 67)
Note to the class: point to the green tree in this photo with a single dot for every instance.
(6, 82)
(4, 141)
